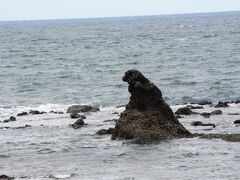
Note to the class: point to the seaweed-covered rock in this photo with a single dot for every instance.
(147, 116)
(82, 108)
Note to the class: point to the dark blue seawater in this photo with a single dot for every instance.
(190, 57)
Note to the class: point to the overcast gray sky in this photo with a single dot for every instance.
(60, 9)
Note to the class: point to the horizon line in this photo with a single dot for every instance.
(127, 16)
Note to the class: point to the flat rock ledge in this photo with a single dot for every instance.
(147, 116)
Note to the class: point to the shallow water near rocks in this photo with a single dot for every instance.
(51, 149)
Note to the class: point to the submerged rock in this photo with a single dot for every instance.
(205, 103)
(206, 114)
(75, 116)
(82, 108)
(200, 123)
(36, 112)
(216, 112)
(22, 114)
(11, 119)
(105, 131)
(147, 116)
(194, 107)
(237, 122)
(184, 111)
(78, 124)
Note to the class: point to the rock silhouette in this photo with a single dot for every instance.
(147, 116)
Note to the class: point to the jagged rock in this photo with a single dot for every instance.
(200, 123)
(185, 111)
(105, 131)
(36, 112)
(75, 116)
(237, 102)
(237, 122)
(216, 112)
(222, 104)
(205, 114)
(22, 114)
(147, 116)
(78, 124)
(5, 177)
(82, 108)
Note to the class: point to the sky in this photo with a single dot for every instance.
(64, 9)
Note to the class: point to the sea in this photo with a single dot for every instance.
(48, 65)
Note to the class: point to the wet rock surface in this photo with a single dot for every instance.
(147, 116)
(81, 109)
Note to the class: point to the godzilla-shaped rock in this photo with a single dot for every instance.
(147, 116)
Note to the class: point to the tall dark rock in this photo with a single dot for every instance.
(147, 116)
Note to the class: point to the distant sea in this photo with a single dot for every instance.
(50, 65)
(190, 57)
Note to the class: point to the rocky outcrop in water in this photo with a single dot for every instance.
(147, 116)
